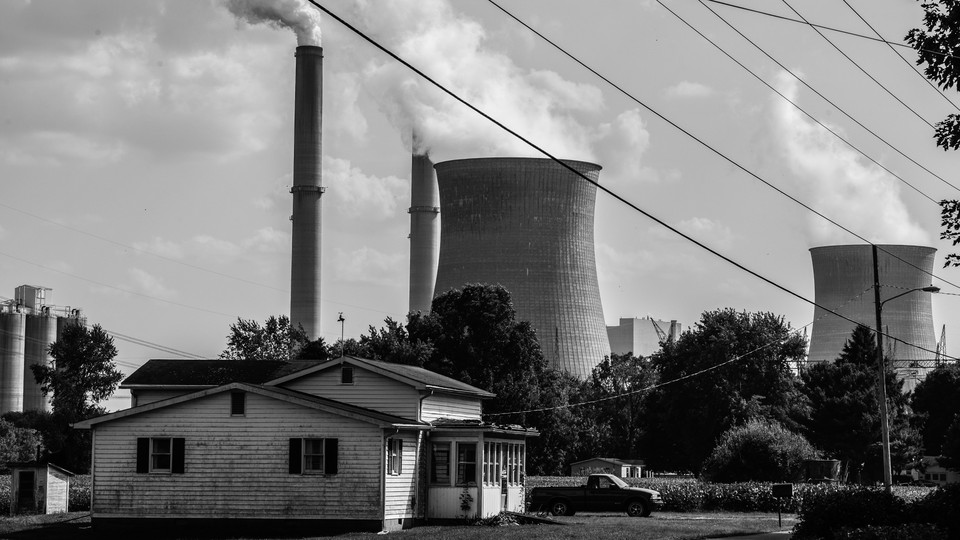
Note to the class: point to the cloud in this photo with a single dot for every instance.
(352, 193)
(159, 246)
(368, 265)
(341, 94)
(689, 90)
(150, 285)
(839, 182)
(711, 233)
(58, 148)
(621, 145)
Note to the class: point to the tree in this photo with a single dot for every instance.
(938, 46)
(17, 443)
(617, 385)
(950, 452)
(732, 366)
(276, 340)
(845, 412)
(935, 403)
(82, 375)
(393, 342)
(758, 451)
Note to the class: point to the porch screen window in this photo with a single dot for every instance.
(394, 456)
(160, 455)
(466, 463)
(313, 456)
(440, 463)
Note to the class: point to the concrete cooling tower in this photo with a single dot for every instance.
(527, 224)
(843, 281)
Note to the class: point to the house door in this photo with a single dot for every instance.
(26, 487)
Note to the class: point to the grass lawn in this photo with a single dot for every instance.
(661, 525)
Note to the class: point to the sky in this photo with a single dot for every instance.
(146, 151)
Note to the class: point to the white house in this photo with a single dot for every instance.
(346, 444)
(624, 468)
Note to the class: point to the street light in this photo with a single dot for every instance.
(884, 426)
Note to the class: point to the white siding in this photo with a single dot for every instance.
(400, 490)
(58, 491)
(447, 406)
(369, 390)
(447, 502)
(237, 466)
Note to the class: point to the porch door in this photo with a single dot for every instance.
(27, 484)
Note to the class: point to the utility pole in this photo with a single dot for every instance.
(884, 426)
(341, 320)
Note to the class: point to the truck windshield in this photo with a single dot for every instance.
(619, 482)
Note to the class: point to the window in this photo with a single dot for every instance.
(160, 455)
(466, 463)
(238, 403)
(440, 463)
(394, 456)
(346, 375)
(313, 456)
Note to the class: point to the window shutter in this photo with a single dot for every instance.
(143, 455)
(330, 456)
(296, 456)
(177, 461)
(399, 456)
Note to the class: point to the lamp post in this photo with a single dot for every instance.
(884, 425)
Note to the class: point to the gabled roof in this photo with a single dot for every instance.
(418, 377)
(209, 373)
(283, 394)
(615, 461)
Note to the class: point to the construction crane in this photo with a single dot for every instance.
(941, 347)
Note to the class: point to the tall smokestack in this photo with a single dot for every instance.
(307, 192)
(424, 232)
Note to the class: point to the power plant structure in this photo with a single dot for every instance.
(307, 191)
(844, 282)
(424, 232)
(641, 337)
(527, 224)
(28, 325)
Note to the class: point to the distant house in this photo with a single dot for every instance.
(930, 470)
(346, 444)
(624, 468)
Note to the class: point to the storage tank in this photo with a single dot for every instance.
(843, 282)
(12, 335)
(527, 224)
(41, 331)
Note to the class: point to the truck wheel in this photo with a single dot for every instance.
(560, 508)
(637, 509)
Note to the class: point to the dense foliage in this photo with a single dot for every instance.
(760, 450)
(18, 444)
(277, 339)
(754, 352)
(936, 405)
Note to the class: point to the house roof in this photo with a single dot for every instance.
(421, 378)
(615, 461)
(282, 394)
(209, 373)
(456, 424)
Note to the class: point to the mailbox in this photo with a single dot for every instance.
(783, 491)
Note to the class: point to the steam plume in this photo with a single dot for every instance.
(297, 15)
(839, 182)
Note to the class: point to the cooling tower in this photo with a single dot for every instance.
(843, 281)
(12, 333)
(424, 232)
(41, 331)
(306, 190)
(527, 224)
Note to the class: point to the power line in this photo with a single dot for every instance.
(828, 28)
(913, 67)
(604, 189)
(854, 62)
(685, 132)
(818, 93)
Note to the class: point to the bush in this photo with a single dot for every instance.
(829, 514)
(940, 507)
(907, 531)
(761, 451)
(80, 493)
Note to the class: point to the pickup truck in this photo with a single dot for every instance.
(602, 493)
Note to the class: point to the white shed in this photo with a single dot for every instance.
(39, 488)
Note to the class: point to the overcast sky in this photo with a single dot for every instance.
(146, 151)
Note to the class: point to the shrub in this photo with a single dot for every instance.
(940, 507)
(828, 514)
(761, 450)
(79, 493)
(907, 531)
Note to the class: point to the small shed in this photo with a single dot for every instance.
(39, 488)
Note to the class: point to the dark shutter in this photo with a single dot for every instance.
(179, 445)
(237, 403)
(330, 456)
(143, 455)
(296, 456)
(399, 456)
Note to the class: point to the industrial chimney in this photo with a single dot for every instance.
(527, 224)
(307, 192)
(843, 282)
(424, 232)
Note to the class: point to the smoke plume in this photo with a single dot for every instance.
(297, 15)
(840, 182)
